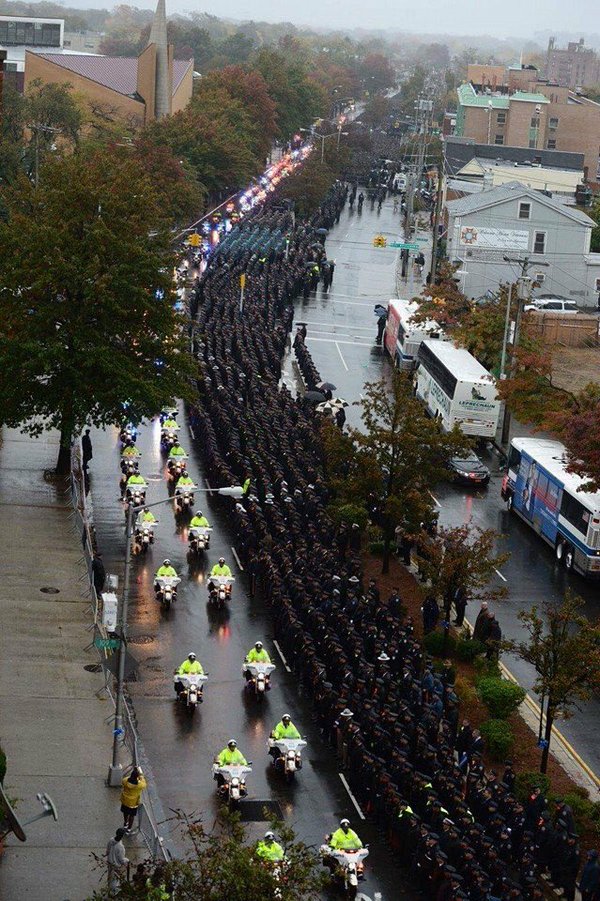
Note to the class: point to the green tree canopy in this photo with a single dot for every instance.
(222, 866)
(81, 261)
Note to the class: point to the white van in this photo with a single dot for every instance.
(402, 338)
(456, 389)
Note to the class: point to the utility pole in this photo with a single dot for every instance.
(436, 226)
(423, 111)
(523, 295)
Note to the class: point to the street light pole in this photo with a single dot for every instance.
(115, 772)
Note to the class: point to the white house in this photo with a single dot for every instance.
(517, 221)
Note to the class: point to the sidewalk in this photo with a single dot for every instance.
(52, 726)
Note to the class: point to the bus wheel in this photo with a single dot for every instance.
(569, 557)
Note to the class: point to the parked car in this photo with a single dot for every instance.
(469, 470)
(551, 305)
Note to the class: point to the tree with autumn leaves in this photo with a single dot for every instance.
(390, 464)
(88, 322)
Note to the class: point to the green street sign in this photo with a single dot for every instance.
(402, 246)
(107, 644)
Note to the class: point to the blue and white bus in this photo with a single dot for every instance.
(539, 489)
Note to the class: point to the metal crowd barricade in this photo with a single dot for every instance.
(84, 525)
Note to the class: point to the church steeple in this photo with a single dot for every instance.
(158, 37)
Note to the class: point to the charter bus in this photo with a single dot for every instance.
(402, 338)
(456, 389)
(539, 489)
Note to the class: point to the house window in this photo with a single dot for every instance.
(551, 144)
(524, 210)
(501, 119)
(535, 122)
(553, 122)
(499, 139)
(539, 242)
(598, 284)
(532, 143)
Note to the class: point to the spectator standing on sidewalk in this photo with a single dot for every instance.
(86, 448)
(589, 884)
(482, 623)
(460, 605)
(98, 572)
(133, 786)
(117, 861)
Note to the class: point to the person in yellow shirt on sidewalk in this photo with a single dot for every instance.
(132, 788)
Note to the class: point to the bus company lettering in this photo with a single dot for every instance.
(476, 405)
(439, 395)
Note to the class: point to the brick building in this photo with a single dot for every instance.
(545, 116)
(575, 66)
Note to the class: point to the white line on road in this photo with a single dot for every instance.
(434, 499)
(504, 579)
(192, 433)
(341, 341)
(280, 652)
(208, 484)
(341, 357)
(237, 559)
(352, 798)
(345, 325)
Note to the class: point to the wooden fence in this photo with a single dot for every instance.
(581, 330)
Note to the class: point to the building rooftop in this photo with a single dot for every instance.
(468, 96)
(118, 73)
(459, 151)
(511, 190)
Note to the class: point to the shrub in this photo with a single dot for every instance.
(465, 690)
(349, 513)
(2, 765)
(530, 779)
(434, 644)
(498, 738)
(376, 548)
(467, 650)
(500, 696)
(485, 668)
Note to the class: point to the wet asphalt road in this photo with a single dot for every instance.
(341, 338)
(180, 748)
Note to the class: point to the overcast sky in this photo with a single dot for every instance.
(510, 17)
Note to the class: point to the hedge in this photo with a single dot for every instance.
(500, 696)
(434, 644)
(498, 738)
(468, 649)
(527, 781)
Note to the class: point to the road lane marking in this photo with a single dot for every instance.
(280, 652)
(192, 432)
(237, 559)
(346, 325)
(352, 798)
(434, 499)
(341, 356)
(504, 579)
(340, 341)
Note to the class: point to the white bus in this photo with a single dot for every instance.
(539, 489)
(402, 338)
(456, 389)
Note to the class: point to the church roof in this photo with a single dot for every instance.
(119, 73)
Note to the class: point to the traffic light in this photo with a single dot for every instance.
(379, 241)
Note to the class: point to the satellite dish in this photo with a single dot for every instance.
(8, 819)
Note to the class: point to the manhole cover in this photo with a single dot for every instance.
(47, 590)
(141, 639)
(260, 811)
(93, 668)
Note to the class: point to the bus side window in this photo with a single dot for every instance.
(514, 459)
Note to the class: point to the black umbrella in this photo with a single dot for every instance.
(315, 397)
(380, 310)
(322, 231)
(326, 386)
